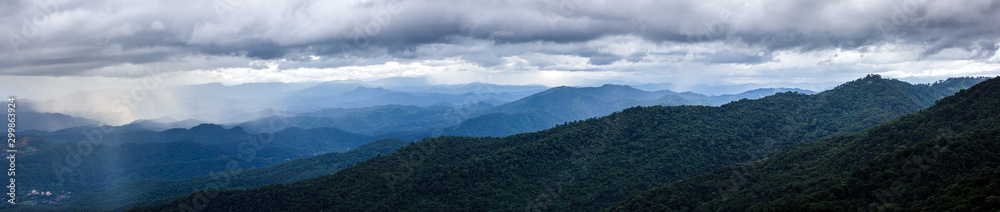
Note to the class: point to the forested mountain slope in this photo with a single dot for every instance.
(590, 164)
(942, 158)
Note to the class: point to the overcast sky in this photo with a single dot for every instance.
(51, 46)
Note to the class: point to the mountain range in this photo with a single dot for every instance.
(939, 159)
(592, 164)
(159, 108)
(532, 113)
(645, 139)
(564, 104)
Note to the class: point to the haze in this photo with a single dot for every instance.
(55, 48)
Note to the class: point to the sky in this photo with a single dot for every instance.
(54, 47)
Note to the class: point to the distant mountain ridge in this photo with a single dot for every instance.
(376, 120)
(161, 124)
(317, 98)
(219, 103)
(563, 104)
(50, 121)
(323, 97)
(536, 112)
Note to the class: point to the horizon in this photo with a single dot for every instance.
(708, 89)
(176, 117)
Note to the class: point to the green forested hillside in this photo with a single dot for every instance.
(917, 162)
(590, 164)
(978, 192)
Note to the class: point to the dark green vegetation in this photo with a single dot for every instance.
(586, 165)
(942, 158)
(159, 190)
(978, 192)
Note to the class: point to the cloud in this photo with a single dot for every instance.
(675, 37)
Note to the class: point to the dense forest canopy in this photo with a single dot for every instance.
(942, 158)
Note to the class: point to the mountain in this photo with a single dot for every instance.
(725, 88)
(150, 191)
(563, 104)
(215, 103)
(755, 94)
(218, 103)
(160, 124)
(536, 112)
(313, 99)
(328, 88)
(585, 165)
(362, 92)
(940, 159)
(50, 121)
(475, 87)
(556, 106)
(421, 86)
(375, 120)
(503, 124)
(137, 133)
(245, 90)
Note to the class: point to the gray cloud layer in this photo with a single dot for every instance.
(66, 37)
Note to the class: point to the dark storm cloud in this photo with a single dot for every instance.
(485, 60)
(601, 59)
(72, 36)
(737, 57)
